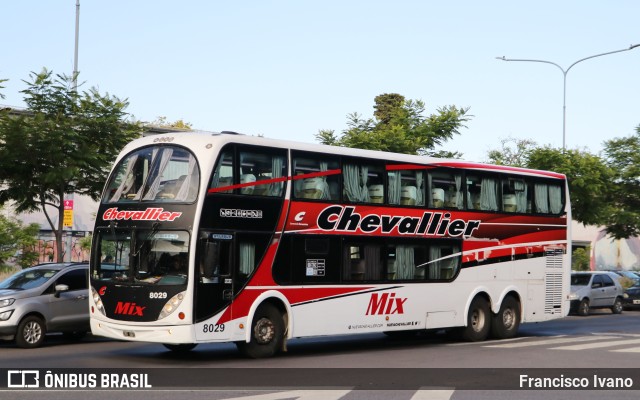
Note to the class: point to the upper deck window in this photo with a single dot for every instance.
(255, 172)
(167, 174)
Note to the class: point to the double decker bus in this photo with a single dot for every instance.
(220, 237)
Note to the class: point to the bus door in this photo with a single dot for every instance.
(214, 269)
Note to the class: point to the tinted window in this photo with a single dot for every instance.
(76, 279)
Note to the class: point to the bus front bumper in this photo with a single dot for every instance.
(175, 334)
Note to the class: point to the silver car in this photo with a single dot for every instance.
(595, 290)
(44, 298)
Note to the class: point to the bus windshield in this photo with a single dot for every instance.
(146, 257)
(157, 173)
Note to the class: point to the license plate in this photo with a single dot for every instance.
(636, 302)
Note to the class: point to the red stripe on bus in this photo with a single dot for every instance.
(243, 185)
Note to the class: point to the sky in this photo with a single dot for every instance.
(287, 69)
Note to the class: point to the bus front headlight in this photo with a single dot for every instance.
(97, 301)
(171, 305)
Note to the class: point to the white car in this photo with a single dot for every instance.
(595, 290)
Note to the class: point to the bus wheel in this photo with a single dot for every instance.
(267, 333)
(505, 324)
(478, 321)
(180, 348)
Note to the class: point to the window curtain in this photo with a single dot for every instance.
(435, 253)
(277, 164)
(326, 193)
(373, 264)
(489, 194)
(247, 258)
(541, 193)
(405, 262)
(521, 196)
(429, 190)
(185, 187)
(127, 180)
(355, 183)
(459, 197)
(165, 157)
(395, 189)
(419, 188)
(555, 199)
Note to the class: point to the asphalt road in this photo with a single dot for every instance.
(435, 366)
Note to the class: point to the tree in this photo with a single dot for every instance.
(513, 152)
(399, 126)
(2, 87)
(17, 240)
(589, 180)
(64, 144)
(163, 123)
(580, 259)
(623, 156)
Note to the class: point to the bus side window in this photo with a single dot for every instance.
(223, 174)
(362, 262)
(406, 187)
(316, 177)
(363, 183)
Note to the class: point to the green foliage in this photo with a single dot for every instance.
(2, 87)
(513, 152)
(18, 240)
(399, 126)
(581, 259)
(64, 144)
(179, 124)
(589, 180)
(623, 156)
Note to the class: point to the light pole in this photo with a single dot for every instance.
(564, 81)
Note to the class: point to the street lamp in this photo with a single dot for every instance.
(564, 84)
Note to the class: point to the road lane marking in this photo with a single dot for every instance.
(559, 340)
(599, 345)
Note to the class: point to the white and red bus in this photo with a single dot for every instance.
(220, 237)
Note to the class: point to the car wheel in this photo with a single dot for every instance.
(31, 331)
(505, 324)
(478, 321)
(617, 306)
(583, 307)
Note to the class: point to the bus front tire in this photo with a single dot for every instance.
(478, 321)
(505, 324)
(267, 333)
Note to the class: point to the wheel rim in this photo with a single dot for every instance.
(264, 331)
(618, 305)
(32, 332)
(584, 307)
(509, 318)
(477, 320)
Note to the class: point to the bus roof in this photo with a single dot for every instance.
(193, 138)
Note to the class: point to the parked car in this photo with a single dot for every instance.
(631, 298)
(45, 298)
(628, 274)
(595, 290)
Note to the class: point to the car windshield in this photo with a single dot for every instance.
(580, 280)
(28, 279)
